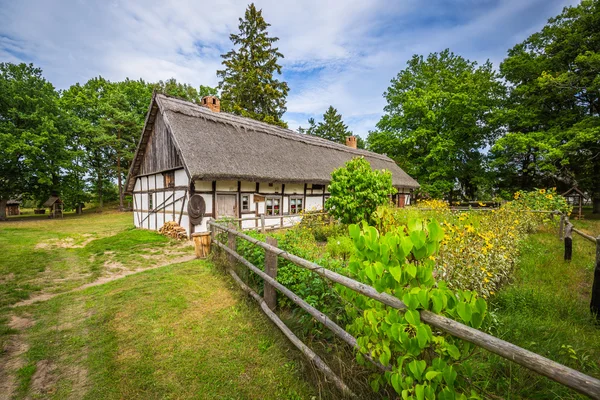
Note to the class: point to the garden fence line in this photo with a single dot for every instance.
(562, 374)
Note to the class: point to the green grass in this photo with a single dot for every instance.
(181, 331)
(174, 332)
(545, 310)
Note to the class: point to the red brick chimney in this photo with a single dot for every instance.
(212, 103)
(351, 141)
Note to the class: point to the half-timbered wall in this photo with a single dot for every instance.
(170, 204)
(161, 153)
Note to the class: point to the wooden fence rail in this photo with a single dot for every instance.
(565, 232)
(567, 376)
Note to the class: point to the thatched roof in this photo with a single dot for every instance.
(12, 202)
(51, 201)
(221, 146)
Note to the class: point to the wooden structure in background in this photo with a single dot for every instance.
(55, 204)
(12, 207)
(576, 197)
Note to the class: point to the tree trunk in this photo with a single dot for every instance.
(100, 196)
(119, 171)
(596, 205)
(3, 209)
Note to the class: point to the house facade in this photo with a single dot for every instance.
(194, 162)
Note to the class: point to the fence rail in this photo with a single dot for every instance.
(567, 376)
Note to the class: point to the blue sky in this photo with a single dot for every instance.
(342, 53)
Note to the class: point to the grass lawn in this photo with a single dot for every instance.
(545, 310)
(180, 331)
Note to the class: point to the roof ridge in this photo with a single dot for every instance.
(248, 123)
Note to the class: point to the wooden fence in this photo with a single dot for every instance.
(565, 232)
(567, 376)
(285, 221)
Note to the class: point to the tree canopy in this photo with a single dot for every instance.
(248, 86)
(32, 147)
(441, 112)
(554, 105)
(332, 128)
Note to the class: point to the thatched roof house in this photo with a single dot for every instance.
(209, 147)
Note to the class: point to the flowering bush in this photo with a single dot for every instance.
(480, 248)
(542, 199)
(433, 204)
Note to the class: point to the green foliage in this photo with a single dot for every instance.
(332, 128)
(357, 190)
(553, 110)
(441, 112)
(320, 225)
(182, 90)
(424, 364)
(542, 200)
(247, 85)
(32, 145)
(340, 247)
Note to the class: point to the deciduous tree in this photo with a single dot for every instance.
(31, 146)
(441, 113)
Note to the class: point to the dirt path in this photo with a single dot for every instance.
(11, 359)
(103, 280)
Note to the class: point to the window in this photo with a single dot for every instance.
(169, 179)
(150, 201)
(296, 206)
(245, 202)
(273, 206)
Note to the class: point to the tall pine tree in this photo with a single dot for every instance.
(332, 128)
(247, 85)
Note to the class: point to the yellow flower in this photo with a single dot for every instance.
(486, 280)
(542, 191)
(432, 258)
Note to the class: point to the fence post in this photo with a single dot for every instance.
(595, 302)
(568, 240)
(231, 243)
(561, 226)
(270, 294)
(262, 223)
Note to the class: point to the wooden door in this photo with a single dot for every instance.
(226, 205)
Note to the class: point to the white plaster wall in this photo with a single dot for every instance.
(138, 185)
(314, 203)
(248, 186)
(294, 188)
(181, 178)
(151, 179)
(265, 188)
(227, 186)
(208, 200)
(160, 181)
(203, 186)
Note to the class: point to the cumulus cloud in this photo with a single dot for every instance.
(340, 53)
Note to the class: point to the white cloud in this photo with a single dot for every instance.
(340, 53)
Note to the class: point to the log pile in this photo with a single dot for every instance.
(173, 230)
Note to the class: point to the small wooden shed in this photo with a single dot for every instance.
(55, 204)
(13, 207)
(576, 198)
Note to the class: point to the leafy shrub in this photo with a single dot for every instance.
(320, 225)
(542, 199)
(306, 284)
(357, 190)
(424, 363)
(340, 247)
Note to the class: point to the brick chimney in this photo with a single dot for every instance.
(212, 103)
(351, 141)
